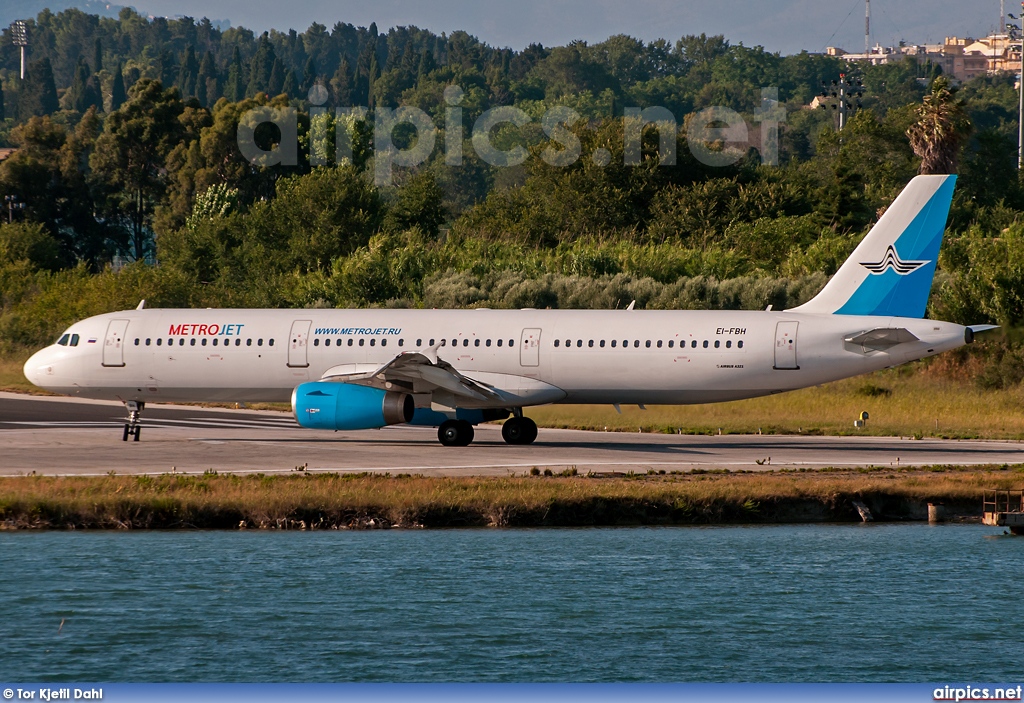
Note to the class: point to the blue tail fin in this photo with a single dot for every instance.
(891, 271)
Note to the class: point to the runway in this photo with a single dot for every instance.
(60, 436)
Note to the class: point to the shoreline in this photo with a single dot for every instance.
(312, 501)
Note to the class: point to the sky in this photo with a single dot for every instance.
(786, 26)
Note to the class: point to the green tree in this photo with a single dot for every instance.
(234, 86)
(97, 56)
(419, 203)
(940, 130)
(206, 82)
(130, 156)
(38, 95)
(118, 95)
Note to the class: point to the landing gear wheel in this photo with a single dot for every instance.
(132, 427)
(519, 430)
(455, 433)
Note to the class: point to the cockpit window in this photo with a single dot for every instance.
(63, 341)
(74, 340)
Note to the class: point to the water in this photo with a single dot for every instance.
(789, 603)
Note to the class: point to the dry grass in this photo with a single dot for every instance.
(12, 378)
(332, 501)
(899, 404)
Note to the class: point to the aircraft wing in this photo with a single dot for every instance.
(415, 371)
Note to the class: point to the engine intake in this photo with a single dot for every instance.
(345, 406)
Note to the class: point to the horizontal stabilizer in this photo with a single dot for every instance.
(881, 338)
(982, 328)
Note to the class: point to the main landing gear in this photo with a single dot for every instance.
(519, 429)
(455, 433)
(134, 425)
(516, 430)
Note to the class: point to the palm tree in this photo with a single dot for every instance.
(941, 128)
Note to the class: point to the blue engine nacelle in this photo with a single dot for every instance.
(345, 406)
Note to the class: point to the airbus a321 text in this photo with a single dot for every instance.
(362, 369)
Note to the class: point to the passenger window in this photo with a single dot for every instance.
(613, 344)
(557, 342)
(238, 342)
(214, 341)
(511, 342)
(705, 344)
(636, 342)
(488, 343)
(602, 344)
(148, 341)
(203, 342)
(590, 343)
(693, 344)
(476, 342)
(648, 344)
(432, 342)
(728, 344)
(350, 342)
(499, 342)
(717, 344)
(181, 342)
(192, 341)
(362, 342)
(259, 342)
(401, 342)
(373, 342)
(248, 342)
(671, 343)
(159, 342)
(63, 341)
(316, 342)
(327, 343)
(383, 342)
(419, 342)
(271, 342)
(659, 344)
(739, 344)
(625, 342)
(455, 342)
(465, 342)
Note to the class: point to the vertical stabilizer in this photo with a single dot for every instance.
(891, 270)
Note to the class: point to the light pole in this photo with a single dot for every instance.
(845, 89)
(1015, 34)
(19, 36)
(12, 204)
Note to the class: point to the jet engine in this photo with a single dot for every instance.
(345, 406)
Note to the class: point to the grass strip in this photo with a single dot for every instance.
(332, 501)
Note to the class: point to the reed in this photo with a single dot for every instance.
(333, 501)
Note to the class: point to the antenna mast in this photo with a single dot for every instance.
(867, 26)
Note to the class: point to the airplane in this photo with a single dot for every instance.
(453, 369)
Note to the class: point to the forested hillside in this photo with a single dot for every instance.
(133, 185)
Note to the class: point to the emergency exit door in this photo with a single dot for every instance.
(298, 341)
(529, 348)
(113, 343)
(785, 345)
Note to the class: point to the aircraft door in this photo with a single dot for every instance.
(298, 340)
(113, 343)
(529, 348)
(785, 345)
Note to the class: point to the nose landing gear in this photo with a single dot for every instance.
(134, 425)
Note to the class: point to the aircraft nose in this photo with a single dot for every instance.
(38, 367)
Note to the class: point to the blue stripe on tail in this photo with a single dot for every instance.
(916, 250)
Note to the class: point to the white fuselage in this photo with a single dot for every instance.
(540, 356)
